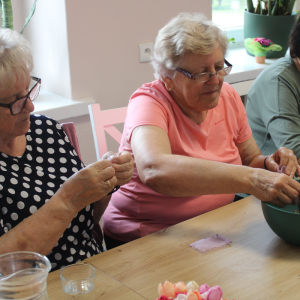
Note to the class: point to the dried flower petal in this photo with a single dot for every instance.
(192, 285)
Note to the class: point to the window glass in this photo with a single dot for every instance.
(228, 13)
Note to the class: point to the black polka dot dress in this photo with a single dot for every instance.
(29, 181)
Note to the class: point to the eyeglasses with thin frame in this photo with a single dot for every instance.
(17, 106)
(203, 77)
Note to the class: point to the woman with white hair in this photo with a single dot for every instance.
(189, 135)
(47, 195)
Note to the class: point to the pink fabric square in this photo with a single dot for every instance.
(280, 169)
(210, 243)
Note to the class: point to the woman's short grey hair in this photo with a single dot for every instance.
(16, 60)
(186, 33)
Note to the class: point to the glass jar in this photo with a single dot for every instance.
(23, 275)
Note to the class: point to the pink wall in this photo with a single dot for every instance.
(103, 38)
(90, 49)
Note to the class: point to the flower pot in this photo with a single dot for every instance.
(260, 59)
(275, 28)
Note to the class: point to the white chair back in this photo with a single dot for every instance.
(103, 121)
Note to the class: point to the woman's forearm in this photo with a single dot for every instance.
(258, 162)
(39, 232)
(181, 176)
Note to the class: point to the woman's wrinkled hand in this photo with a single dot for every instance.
(283, 157)
(123, 164)
(88, 185)
(275, 188)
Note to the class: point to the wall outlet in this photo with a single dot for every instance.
(146, 51)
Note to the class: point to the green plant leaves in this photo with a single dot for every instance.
(6, 14)
(29, 16)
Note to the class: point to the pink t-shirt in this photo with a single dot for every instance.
(135, 210)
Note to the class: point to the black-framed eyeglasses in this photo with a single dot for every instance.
(203, 77)
(17, 106)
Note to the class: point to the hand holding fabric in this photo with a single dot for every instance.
(88, 185)
(283, 157)
(123, 164)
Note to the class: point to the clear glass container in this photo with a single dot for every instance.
(23, 275)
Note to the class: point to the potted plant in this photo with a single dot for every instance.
(270, 19)
(7, 14)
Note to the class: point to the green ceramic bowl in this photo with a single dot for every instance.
(283, 221)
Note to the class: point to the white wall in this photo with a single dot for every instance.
(103, 44)
(47, 33)
(90, 48)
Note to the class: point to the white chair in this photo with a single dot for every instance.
(103, 121)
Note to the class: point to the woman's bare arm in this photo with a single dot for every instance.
(41, 231)
(181, 176)
(252, 157)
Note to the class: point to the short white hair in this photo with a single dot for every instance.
(16, 62)
(186, 33)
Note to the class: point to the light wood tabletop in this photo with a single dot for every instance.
(105, 288)
(257, 265)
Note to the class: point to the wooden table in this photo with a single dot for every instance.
(257, 265)
(106, 288)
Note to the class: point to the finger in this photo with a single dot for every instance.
(292, 195)
(100, 165)
(124, 157)
(271, 164)
(283, 160)
(293, 172)
(295, 185)
(123, 167)
(277, 202)
(291, 165)
(296, 200)
(110, 183)
(107, 155)
(105, 174)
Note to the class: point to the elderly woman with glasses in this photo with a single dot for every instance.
(189, 135)
(47, 195)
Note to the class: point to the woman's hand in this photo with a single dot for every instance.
(275, 188)
(283, 157)
(123, 165)
(88, 185)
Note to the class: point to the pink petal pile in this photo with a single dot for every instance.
(191, 291)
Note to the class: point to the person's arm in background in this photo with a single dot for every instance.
(252, 157)
(41, 231)
(264, 181)
(285, 127)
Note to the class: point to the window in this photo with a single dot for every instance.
(228, 13)
(229, 16)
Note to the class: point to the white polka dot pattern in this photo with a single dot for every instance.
(29, 181)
